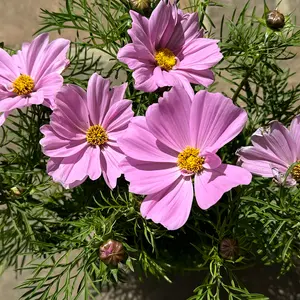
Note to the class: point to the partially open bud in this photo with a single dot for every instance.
(140, 4)
(112, 252)
(229, 248)
(275, 19)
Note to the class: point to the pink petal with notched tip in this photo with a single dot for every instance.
(148, 177)
(168, 120)
(171, 206)
(211, 185)
(214, 121)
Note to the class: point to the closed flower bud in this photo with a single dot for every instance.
(275, 19)
(112, 252)
(140, 4)
(229, 248)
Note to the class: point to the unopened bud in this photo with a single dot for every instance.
(229, 248)
(275, 19)
(140, 4)
(112, 252)
(17, 191)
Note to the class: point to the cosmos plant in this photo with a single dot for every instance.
(142, 164)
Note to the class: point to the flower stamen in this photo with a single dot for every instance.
(190, 160)
(23, 85)
(296, 171)
(165, 58)
(96, 135)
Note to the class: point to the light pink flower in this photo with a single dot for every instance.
(32, 76)
(274, 150)
(168, 49)
(82, 138)
(175, 143)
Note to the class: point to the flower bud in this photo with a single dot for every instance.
(229, 248)
(140, 4)
(112, 252)
(275, 19)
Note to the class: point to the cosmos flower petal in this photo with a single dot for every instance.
(36, 98)
(21, 57)
(116, 119)
(35, 53)
(110, 164)
(200, 54)
(13, 103)
(164, 78)
(147, 178)
(212, 161)
(214, 121)
(98, 97)
(171, 206)
(211, 185)
(118, 93)
(138, 141)
(9, 70)
(132, 58)
(159, 22)
(278, 142)
(69, 170)
(55, 146)
(50, 85)
(260, 162)
(144, 79)
(295, 133)
(169, 119)
(53, 60)
(186, 29)
(72, 106)
(3, 116)
(94, 170)
(140, 34)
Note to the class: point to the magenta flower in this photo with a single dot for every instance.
(274, 151)
(175, 143)
(82, 138)
(32, 76)
(168, 49)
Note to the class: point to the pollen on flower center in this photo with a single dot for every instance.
(96, 135)
(23, 85)
(165, 58)
(296, 172)
(190, 160)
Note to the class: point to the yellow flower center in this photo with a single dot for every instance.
(96, 135)
(296, 172)
(165, 58)
(141, 4)
(190, 160)
(23, 85)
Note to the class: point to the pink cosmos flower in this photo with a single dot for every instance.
(82, 138)
(275, 149)
(168, 49)
(32, 76)
(175, 143)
